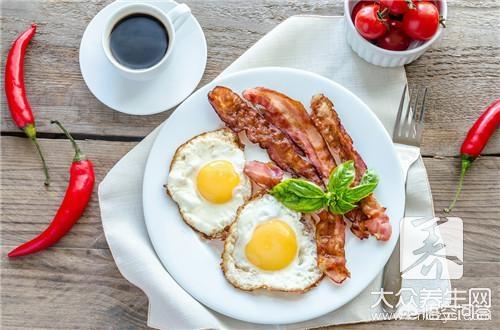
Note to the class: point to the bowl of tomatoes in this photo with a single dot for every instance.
(393, 33)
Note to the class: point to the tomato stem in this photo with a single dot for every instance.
(410, 3)
(381, 15)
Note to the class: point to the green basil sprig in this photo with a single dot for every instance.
(304, 196)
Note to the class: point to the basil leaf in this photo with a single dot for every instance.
(303, 188)
(340, 206)
(368, 183)
(369, 177)
(299, 195)
(342, 177)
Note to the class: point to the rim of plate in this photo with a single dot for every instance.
(398, 178)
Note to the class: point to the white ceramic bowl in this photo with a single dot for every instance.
(383, 57)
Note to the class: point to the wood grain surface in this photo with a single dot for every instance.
(462, 72)
(76, 283)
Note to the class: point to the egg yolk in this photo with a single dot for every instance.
(273, 245)
(217, 180)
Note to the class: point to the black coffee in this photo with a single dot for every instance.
(139, 41)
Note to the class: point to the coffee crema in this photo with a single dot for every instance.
(139, 41)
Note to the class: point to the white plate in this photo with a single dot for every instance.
(172, 85)
(194, 264)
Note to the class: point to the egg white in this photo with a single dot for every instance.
(207, 218)
(301, 275)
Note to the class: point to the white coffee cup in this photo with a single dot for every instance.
(172, 21)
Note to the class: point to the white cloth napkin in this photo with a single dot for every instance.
(313, 43)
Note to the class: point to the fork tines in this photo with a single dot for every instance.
(410, 117)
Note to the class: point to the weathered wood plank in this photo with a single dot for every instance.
(27, 206)
(69, 289)
(78, 278)
(80, 288)
(462, 71)
(478, 206)
(76, 284)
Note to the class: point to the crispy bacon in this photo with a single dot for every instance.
(330, 242)
(291, 117)
(373, 217)
(327, 121)
(241, 116)
(358, 223)
(378, 222)
(340, 144)
(265, 175)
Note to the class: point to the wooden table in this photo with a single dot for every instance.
(76, 283)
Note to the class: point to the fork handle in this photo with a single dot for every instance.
(407, 155)
(391, 280)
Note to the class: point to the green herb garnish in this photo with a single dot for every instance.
(304, 196)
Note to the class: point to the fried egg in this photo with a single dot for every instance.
(269, 247)
(207, 182)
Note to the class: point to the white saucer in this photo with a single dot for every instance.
(179, 78)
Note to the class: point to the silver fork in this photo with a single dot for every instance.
(406, 137)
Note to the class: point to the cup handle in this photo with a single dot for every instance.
(178, 15)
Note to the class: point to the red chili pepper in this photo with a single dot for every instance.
(81, 184)
(15, 91)
(475, 141)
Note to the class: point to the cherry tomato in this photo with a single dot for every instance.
(396, 7)
(422, 22)
(395, 24)
(370, 22)
(435, 2)
(395, 39)
(360, 5)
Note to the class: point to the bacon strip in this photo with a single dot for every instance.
(291, 117)
(373, 218)
(241, 116)
(265, 175)
(330, 228)
(330, 242)
(378, 222)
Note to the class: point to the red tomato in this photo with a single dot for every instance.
(370, 22)
(422, 22)
(394, 24)
(359, 5)
(435, 2)
(395, 39)
(396, 7)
